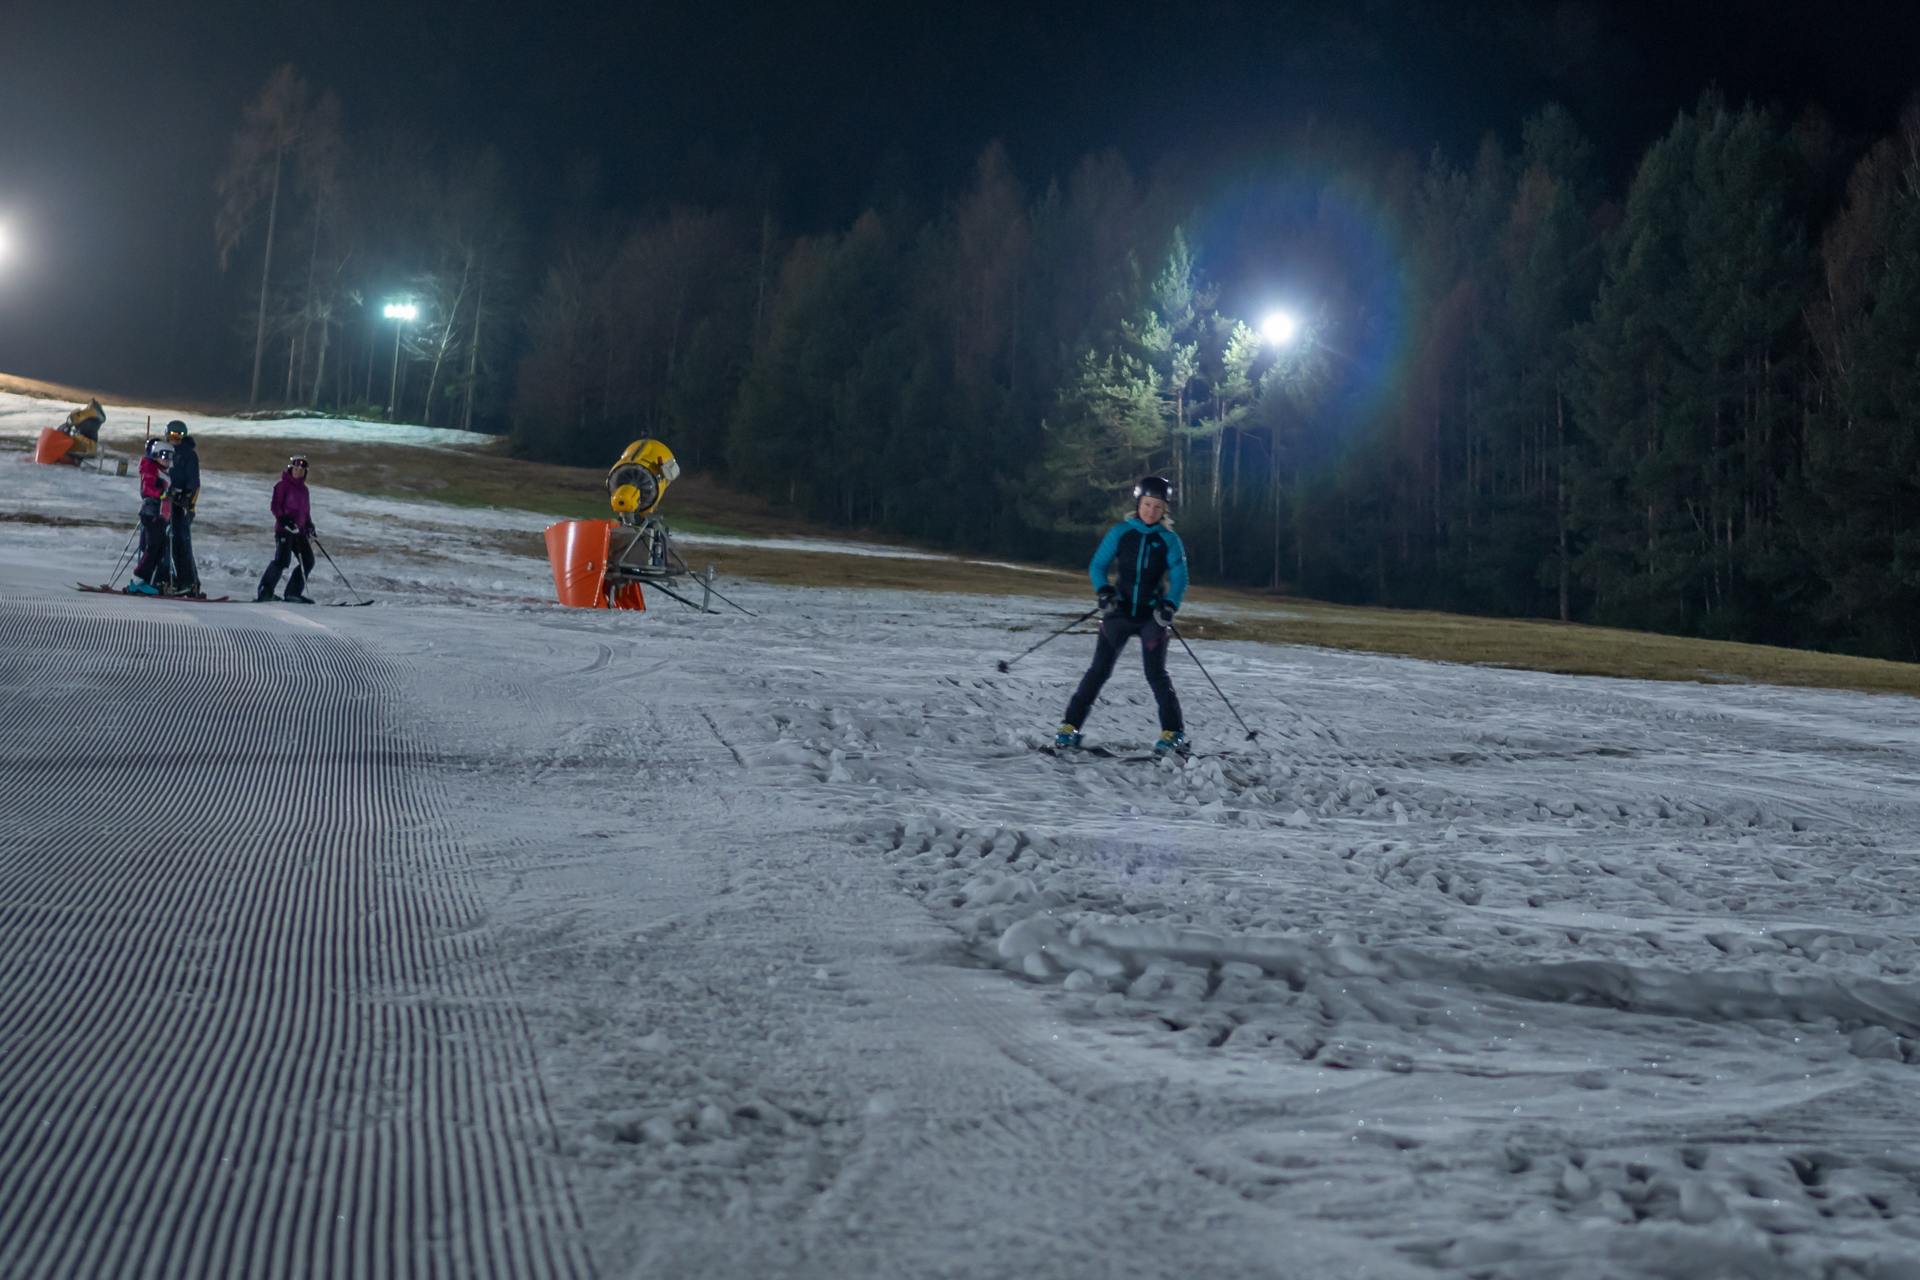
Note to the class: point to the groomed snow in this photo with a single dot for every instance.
(1453, 971)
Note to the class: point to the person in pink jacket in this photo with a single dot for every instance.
(154, 514)
(292, 535)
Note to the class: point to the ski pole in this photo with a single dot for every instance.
(1006, 664)
(126, 553)
(1251, 735)
(336, 569)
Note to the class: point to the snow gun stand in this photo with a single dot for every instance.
(608, 564)
(605, 564)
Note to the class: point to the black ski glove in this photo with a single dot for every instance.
(1108, 601)
(1163, 614)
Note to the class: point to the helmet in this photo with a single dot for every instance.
(1153, 487)
(176, 429)
(297, 460)
(159, 450)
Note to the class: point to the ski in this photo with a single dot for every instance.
(1115, 757)
(1103, 753)
(116, 591)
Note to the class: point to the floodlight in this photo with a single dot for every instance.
(1280, 328)
(401, 311)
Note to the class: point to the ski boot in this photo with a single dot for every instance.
(1172, 742)
(1068, 739)
(297, 597)
(265, 597)
(139, 588)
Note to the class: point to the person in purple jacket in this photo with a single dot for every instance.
(292, 534)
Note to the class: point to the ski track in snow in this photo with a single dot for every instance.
(1454, 971)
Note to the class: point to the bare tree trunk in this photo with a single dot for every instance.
(307, 310)
(1180, 444)
(320, 363)
(760, 287)
(266, 271)
(1560, 413)
(446, 337)
(1274, 463)
(473, 353)
(1219, 516)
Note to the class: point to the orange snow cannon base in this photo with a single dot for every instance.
(578, 549)
(52, 447)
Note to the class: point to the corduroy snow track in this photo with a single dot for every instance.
(249, 1025)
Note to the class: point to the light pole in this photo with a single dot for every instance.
(399, 313)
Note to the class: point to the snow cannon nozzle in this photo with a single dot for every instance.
(637, 482)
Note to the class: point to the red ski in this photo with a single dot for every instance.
(116, 591)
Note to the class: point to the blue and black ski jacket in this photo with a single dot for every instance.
(1145, 554)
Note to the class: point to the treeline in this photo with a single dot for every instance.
(329, 230)
(1692, 405)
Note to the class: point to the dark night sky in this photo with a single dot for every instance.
(114, 117)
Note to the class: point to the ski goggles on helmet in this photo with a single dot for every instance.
(296, 461)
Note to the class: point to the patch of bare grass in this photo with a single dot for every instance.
(1571, 649)
(486, 477)
(698, 504)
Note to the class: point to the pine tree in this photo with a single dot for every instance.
(1687, 381)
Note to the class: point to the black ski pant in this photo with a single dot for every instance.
(153, 542)
(288, 548)
(1114, 633)
(186, 576)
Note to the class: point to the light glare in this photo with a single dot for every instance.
(400, 311)
(1280, 328)
(6, 244)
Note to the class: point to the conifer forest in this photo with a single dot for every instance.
(1685, 398)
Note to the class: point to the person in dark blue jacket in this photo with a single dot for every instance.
(1150, 579)
(184, 493)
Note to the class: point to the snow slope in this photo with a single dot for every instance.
(1453, 971)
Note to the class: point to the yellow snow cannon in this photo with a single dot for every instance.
(602, 564)
(75, 440)
(637, 482)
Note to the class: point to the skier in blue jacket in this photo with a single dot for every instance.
(1150, 579)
